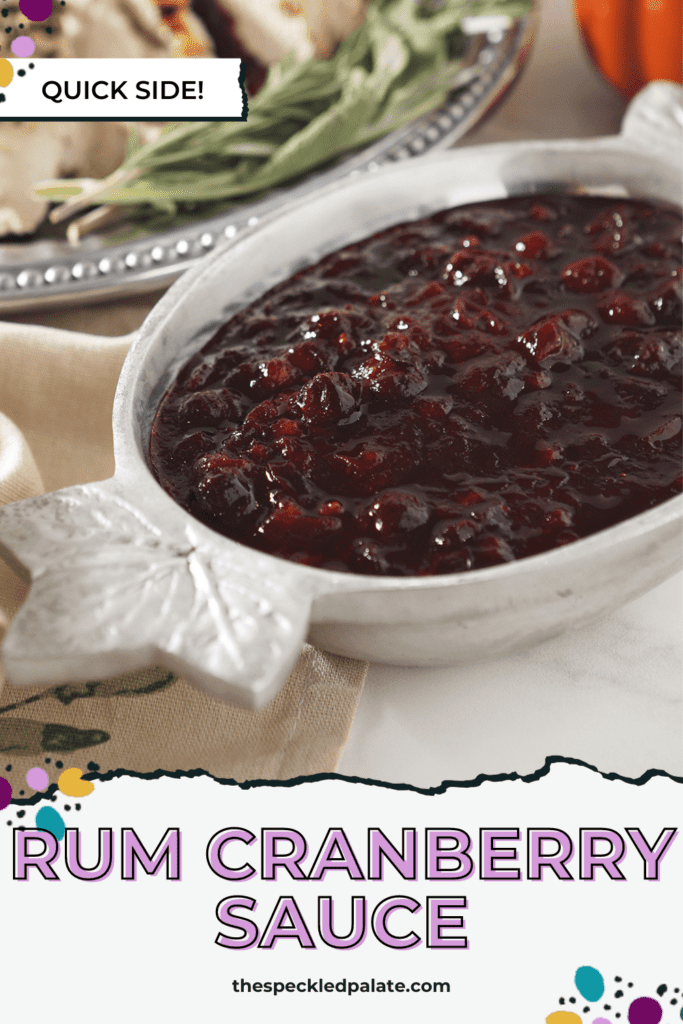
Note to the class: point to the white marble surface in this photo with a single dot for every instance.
(609, 694)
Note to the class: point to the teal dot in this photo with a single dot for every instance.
(590, 983)
(51, 820)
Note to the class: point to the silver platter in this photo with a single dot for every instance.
(47, 273)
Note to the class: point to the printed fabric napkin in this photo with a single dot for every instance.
(56, 394)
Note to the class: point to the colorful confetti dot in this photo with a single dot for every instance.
(6, 72)
(644, 1011)
(5, 793)
(36, 10)
(563, 1017)
(22, 46)
(51, 820)
(37, 778)
(590, 983)
(71, 783)
(601, 1020)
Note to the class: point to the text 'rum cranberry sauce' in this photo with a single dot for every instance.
(482, 385)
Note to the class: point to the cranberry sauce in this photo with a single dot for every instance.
(480, 386)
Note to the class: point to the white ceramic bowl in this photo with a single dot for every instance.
(123, 577)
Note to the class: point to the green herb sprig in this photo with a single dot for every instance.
(396, 66)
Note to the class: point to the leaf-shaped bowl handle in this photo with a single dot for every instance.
(111, 592)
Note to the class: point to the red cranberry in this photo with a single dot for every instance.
(330, 398)
(307, 356)
(543, 213)
(289, 526)
(653, 354)
(398, 512)
(591, 274)
(550, 340)
(492, 551)
(191, 446)
(211, 408)
(535, 244)
(666, 301)
(230, 490)
(619, 308)
(454, 532)
(465, 267)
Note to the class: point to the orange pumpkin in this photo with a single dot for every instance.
(633, 41)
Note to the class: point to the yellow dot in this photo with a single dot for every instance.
(6, 72)
(71, 784)
(563, 1017)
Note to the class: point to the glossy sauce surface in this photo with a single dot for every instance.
(483, 385)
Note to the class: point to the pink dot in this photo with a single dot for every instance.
(37, 778)
(22, 46)
(601, 1020)
(5, 793)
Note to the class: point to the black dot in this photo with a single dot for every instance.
(630, 984)
(49, 759)
(676, 990)
(586, 1009)
(31, 66)
(92, 767)
(607, 1006)
(617, 979)
(561, 1001)
(5, 12)
(617, 1015)
(21, 792)
(9, 822)
(48, 30)
(8, 30)
(673, 1002)
(571, 999)
(2, 97)
(54, 799)
(21, 73)
(67, 807)
(78, 807)
(8, 768)
(618, 994)
(661, 990)
(59, 764)
(21, 26)
(20, 814)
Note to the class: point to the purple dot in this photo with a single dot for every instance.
(5, 793)
(644, 1011)
(37, 778)
(36, 10)
(22, 46)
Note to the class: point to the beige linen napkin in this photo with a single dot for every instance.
(56, 394)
